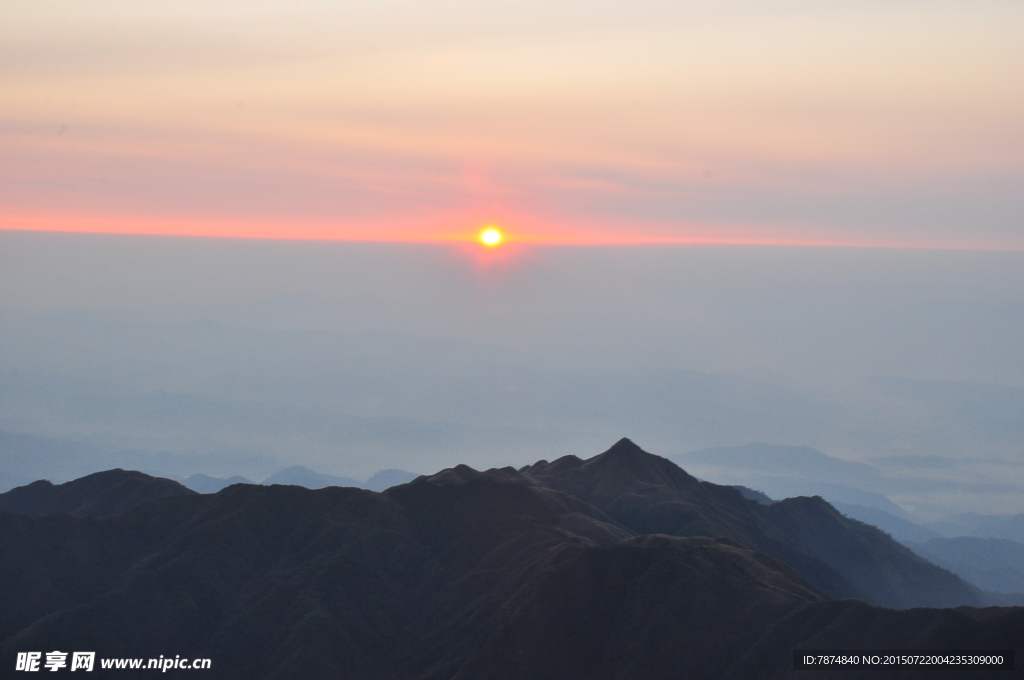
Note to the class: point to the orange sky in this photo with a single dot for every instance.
(796, 122)
(456, 229)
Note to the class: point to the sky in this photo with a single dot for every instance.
(794, 122)
(236, 236)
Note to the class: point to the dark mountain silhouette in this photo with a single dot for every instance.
(753, 494)
(504, 575)
(101, 494)
(839, 556)
(302, 476)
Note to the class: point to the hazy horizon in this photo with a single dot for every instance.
(244, 356)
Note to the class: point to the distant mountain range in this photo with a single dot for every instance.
(385, 479)
(619, 566)
(901, 529)
(984, 526)
(301, 476)
(785, 471)
(995, 564)
(297, 475)
(207, 484)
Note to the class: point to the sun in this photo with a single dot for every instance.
(491, 237)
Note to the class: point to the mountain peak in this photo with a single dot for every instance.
(625, 468)
(625, 447)
(626, 453)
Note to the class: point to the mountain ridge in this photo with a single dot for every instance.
(100, 494)
(651, 494)
(465, 573)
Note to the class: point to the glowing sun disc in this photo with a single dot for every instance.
(490, 237)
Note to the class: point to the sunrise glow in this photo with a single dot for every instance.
(491, 237)
(683, 125)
